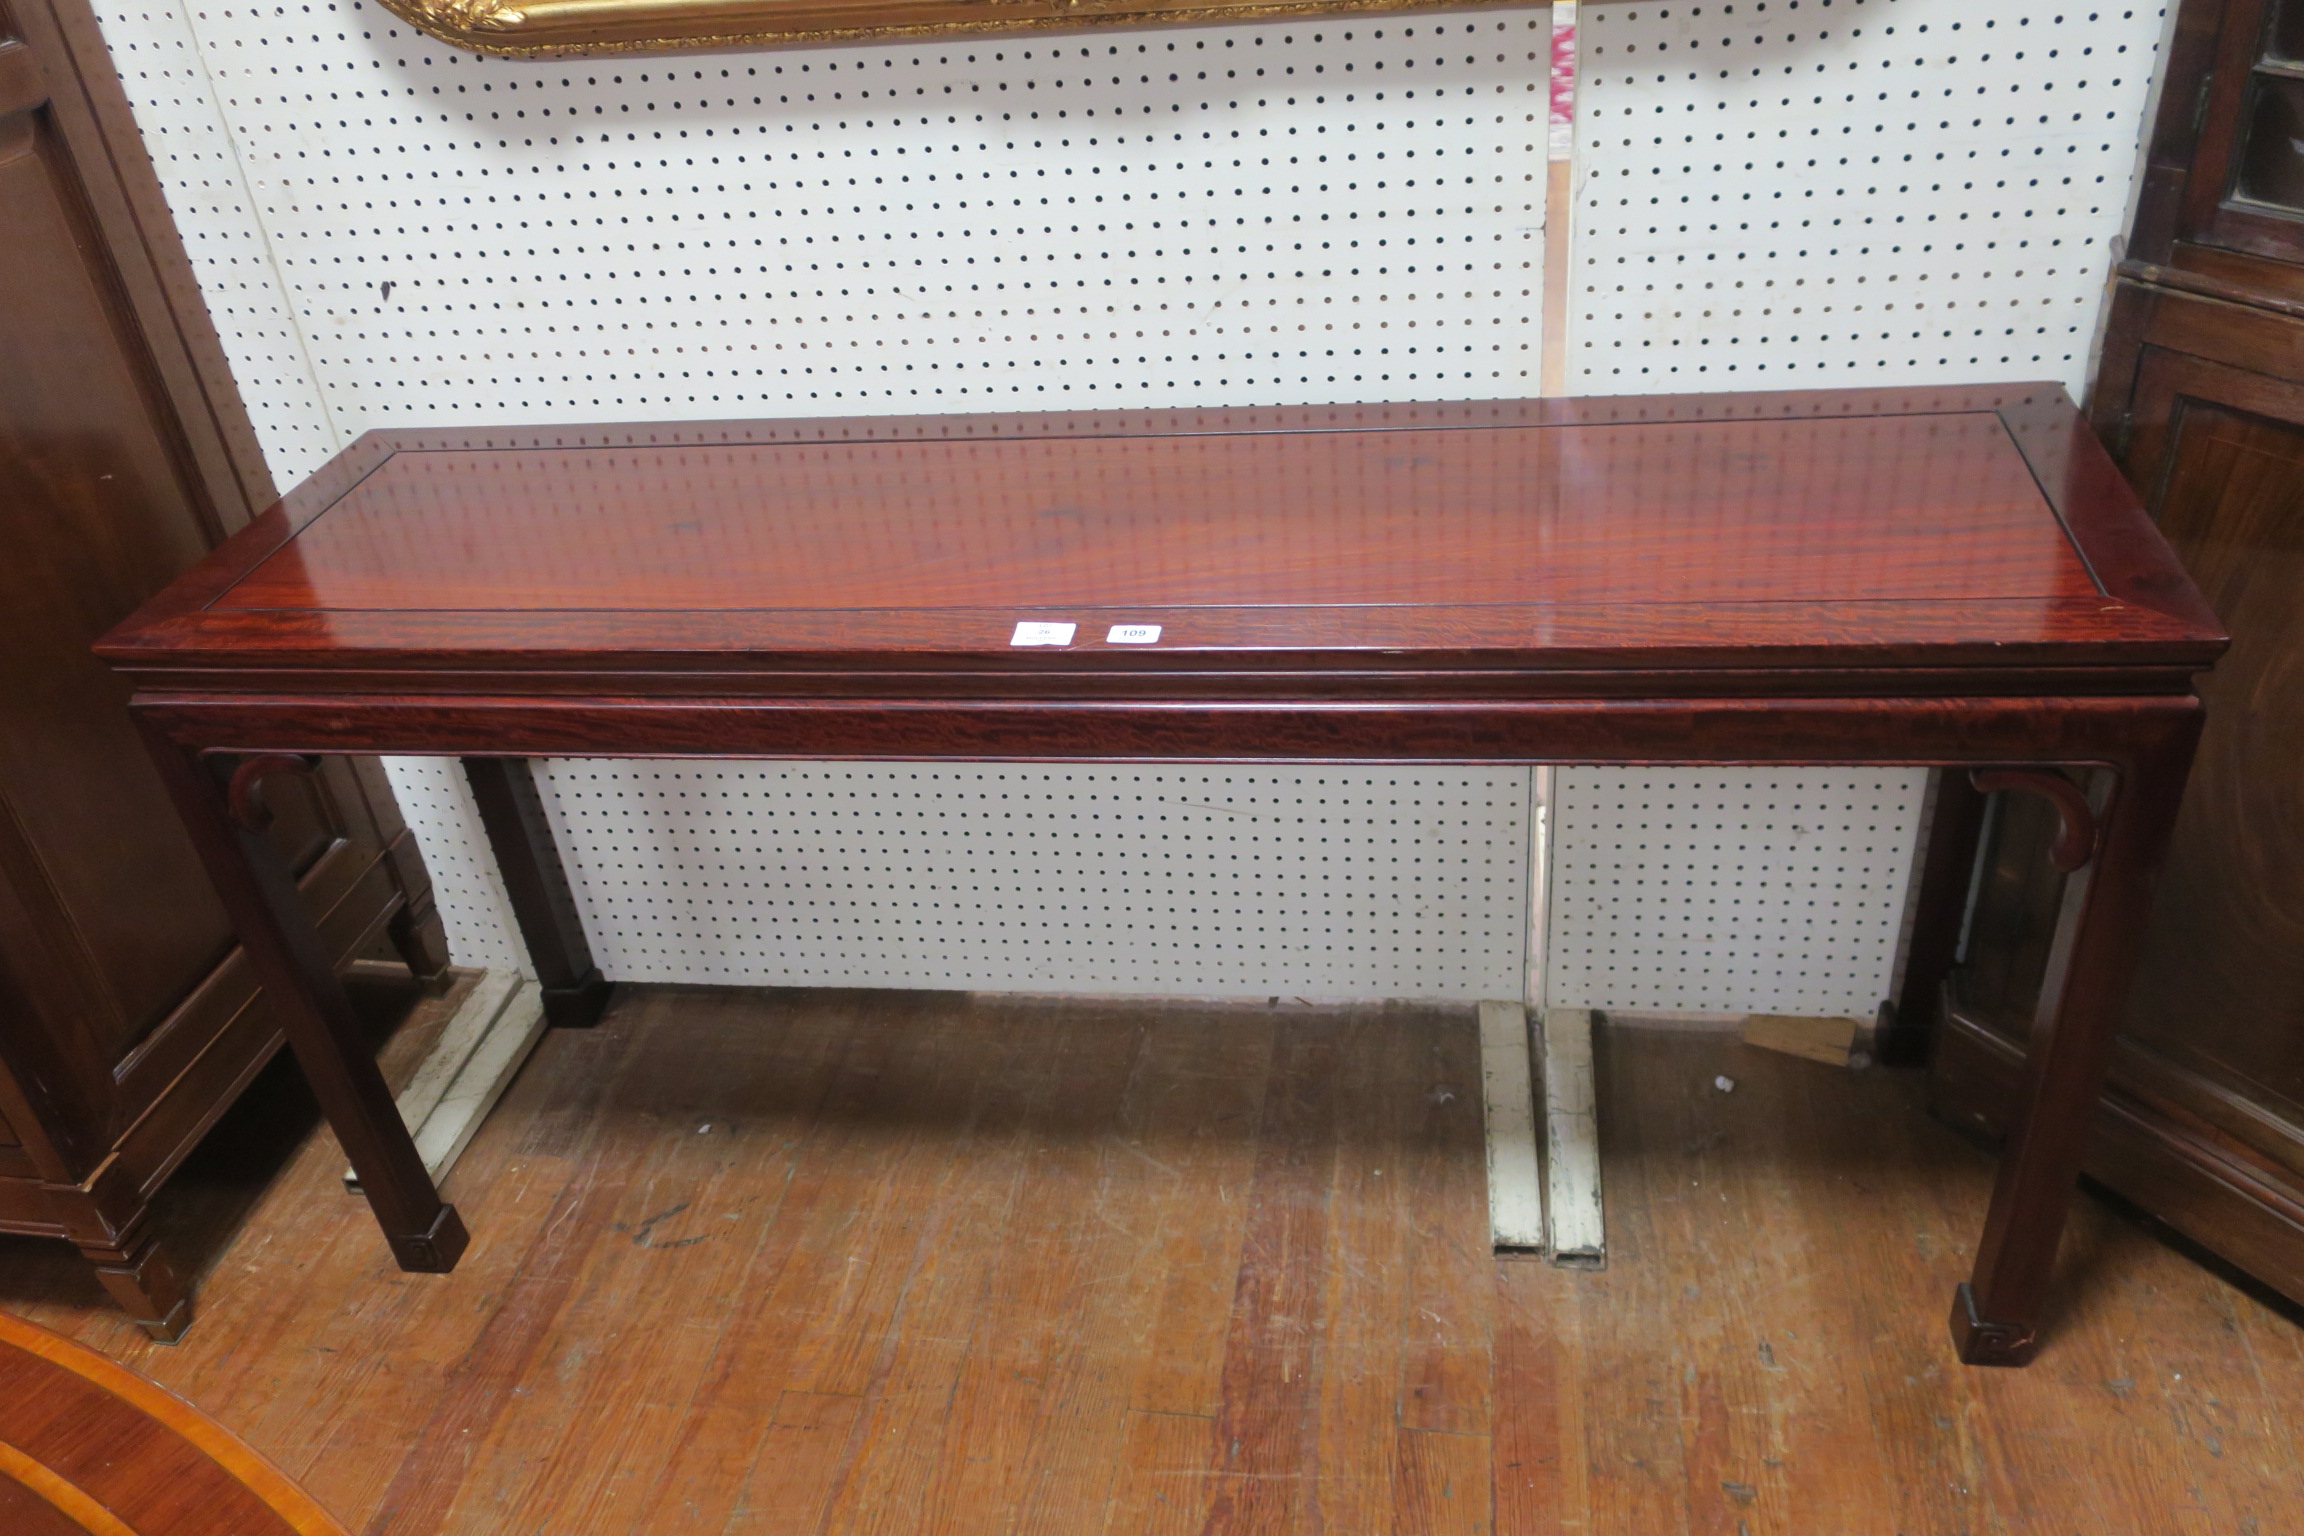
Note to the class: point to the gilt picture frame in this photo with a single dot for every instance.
(580, 28)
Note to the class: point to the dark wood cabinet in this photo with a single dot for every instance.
(2200, 394)
(128, 1019)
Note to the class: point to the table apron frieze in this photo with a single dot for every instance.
(1973, 732)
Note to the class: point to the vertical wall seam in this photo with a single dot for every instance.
(272, 263)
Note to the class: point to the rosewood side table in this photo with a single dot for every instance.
(1955, 577)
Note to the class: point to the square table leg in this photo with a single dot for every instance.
(226, 820)
(2112, 847)
(512, 813)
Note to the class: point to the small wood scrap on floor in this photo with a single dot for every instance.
(1832, 1041)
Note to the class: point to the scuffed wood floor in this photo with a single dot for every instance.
(902, 1262)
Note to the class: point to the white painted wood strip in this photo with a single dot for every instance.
(1576, 1232)
(458, 1040)
(449, 1129)
(1515, 1181)
(469, 1068)
(1534, 976)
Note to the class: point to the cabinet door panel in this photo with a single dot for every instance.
(2222, 984)
(95, 514)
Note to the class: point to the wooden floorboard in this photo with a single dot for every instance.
(836, 1263)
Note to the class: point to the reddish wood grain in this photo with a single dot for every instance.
(1913, 528)
(2040, 728)
(88, 1446)
(1895, 507)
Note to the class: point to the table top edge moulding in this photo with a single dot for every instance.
(1950, 576)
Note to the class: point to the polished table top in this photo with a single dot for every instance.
(1910, 526)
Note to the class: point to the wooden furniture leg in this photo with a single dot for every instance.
(140, 1278)
(301, 988)
(504, 790)
(1947, 870)
(2112, 847)
(419, 939)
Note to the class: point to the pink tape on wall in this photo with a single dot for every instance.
(1562, 136)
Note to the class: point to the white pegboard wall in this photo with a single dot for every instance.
(1765, 890)
(197, 156)
(1342, 209)
(474, 910)
(1180, 879)
(1790, 193)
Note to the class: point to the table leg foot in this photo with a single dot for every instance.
(434, 1251)
(579, 1005)
(1979, 1342)
(511, 811)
